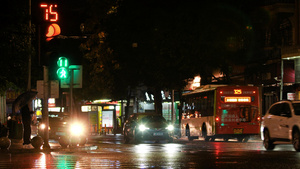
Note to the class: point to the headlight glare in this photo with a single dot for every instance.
(76, 129)
(142, 127)
(170, 127)
(42, 126)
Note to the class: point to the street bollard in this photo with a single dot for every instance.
(64, 141)
(37, 142)
(100, 130)
(5, 143)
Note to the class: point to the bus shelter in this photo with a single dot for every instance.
(103, 117)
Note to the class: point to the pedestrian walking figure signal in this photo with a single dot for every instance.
(63, 70)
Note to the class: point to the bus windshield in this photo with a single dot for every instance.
(240, 114)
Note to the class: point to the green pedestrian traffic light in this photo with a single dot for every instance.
(63, 70)
(63, 62)
(63, 73)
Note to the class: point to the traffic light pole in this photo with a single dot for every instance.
(29, 53)
(45, 114)
(71, 94)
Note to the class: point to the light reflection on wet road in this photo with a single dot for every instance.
(181, 154)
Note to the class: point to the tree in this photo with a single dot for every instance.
(14, 33)
(133, 53)
(161, 43)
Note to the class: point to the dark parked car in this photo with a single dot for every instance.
(58, 125)
(63, 129)
(147, 127)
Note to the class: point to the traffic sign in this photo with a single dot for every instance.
(77, 77)
(54, 89)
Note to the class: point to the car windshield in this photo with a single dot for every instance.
(151, 119)
(296, 108)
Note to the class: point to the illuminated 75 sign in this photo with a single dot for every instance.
(50, 12)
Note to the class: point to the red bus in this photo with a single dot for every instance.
(219, 111)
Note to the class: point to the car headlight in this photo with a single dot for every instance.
(170, 127)
(76, 129)
(43, 126)
(143, 127)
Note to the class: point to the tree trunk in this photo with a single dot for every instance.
(127, 104)
(158, 101)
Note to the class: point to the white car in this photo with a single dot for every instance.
(281, 123)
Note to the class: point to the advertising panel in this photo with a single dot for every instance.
(107, 118)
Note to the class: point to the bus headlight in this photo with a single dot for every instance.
(170, 127)
(76, 129)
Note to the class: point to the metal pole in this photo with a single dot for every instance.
(29, 53)
(172, 111)
(71, 94)
(281, 81)
(45, 114)
(115, 120)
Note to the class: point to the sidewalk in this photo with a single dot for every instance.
(17, 147)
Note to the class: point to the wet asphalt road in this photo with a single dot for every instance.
(112, 153)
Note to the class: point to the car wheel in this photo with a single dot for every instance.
(204, 133)
(190, 138)
(126, 139)
(206, 138)
(137, 140)
(83, 141)
(245, 139)
(268, 143)
(240, 139)
(64, 141)
(188, 135)
(296, 140)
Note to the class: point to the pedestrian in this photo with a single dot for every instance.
(26, 120)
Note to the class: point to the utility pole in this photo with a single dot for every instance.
(29, 53)
(172, 110)
(281, 81)
(72, 114)
(45, 114)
